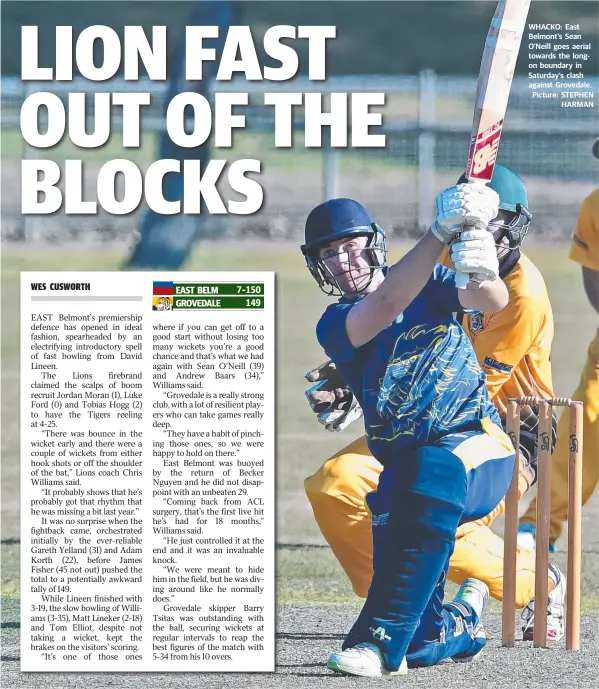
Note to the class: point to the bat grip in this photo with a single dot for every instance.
(462, 280)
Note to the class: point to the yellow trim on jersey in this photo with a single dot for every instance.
(479, 449)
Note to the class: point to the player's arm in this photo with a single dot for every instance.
(490, 296)
(404, 281)
(464, 295)
(456, 207)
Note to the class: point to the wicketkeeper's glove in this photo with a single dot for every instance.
(330, 398)
(529, 447)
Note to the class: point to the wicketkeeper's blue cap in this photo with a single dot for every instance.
(509, 187)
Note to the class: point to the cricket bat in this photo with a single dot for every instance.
(493, 92)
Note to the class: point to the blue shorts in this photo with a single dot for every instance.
(488, 459)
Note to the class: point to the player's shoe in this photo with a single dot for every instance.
(527, 538)
(555, 609)
(475, 594)
(363, 660)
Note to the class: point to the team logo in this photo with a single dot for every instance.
(483, 152)
(544, 441)
(476, 323)
(162, 296)
(573, 443)
(498, 365)
(162, 304)
(379, 633)
(380, 519)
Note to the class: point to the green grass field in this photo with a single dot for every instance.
(307, 572)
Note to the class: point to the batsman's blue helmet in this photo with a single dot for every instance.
(332, 221)
(513, 199)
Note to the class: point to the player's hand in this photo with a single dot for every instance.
(330, 399)
(475, 253)
(464, 205)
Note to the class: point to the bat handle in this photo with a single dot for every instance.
(462, 280)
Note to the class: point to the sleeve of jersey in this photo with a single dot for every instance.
(442, 292)
(585, 242)
(331, 333)
(506, 340)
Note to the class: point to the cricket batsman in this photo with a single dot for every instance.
(429, 420)
(584, 250)
(513, 347)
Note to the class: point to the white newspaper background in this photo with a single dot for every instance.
(147, 472)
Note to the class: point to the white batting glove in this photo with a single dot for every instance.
(330, 399)
(464, 205)
(475, 253)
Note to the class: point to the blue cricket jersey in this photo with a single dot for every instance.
(418, 379)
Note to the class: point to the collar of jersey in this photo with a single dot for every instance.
(350, 300)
